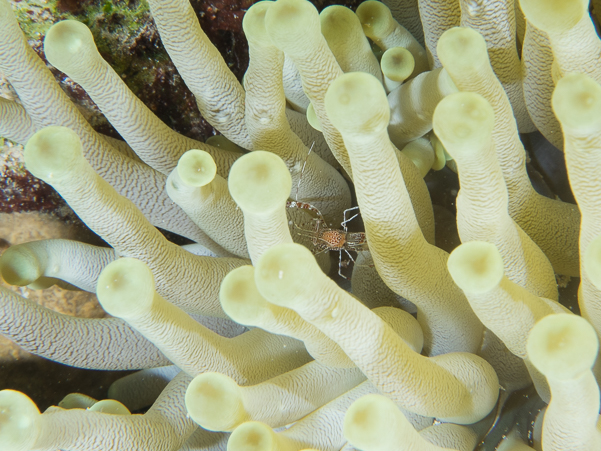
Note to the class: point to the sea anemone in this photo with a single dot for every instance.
(249, 338)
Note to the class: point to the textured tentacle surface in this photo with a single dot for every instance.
(434, 367)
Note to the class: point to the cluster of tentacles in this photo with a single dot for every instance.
(242, 340)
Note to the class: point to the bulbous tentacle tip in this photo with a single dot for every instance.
(367, 421)
(563, 346)
(214, 401)
(125, 288)
(356, 103)
(576, 102)
(397, 63)
(52, 153)
(196, 168)
(285, 272)
(67, 45)
(463, 122)
(20, 266)
(335, 18)
(18, 418)
(259, 182)
(312, 118)
(253, 23)
(476, 266)
(554, 15)
(240, 297)
(76, 401)
(252, 436)
(375, 18)
(460, 49)
(287, 21)
(109, 407)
